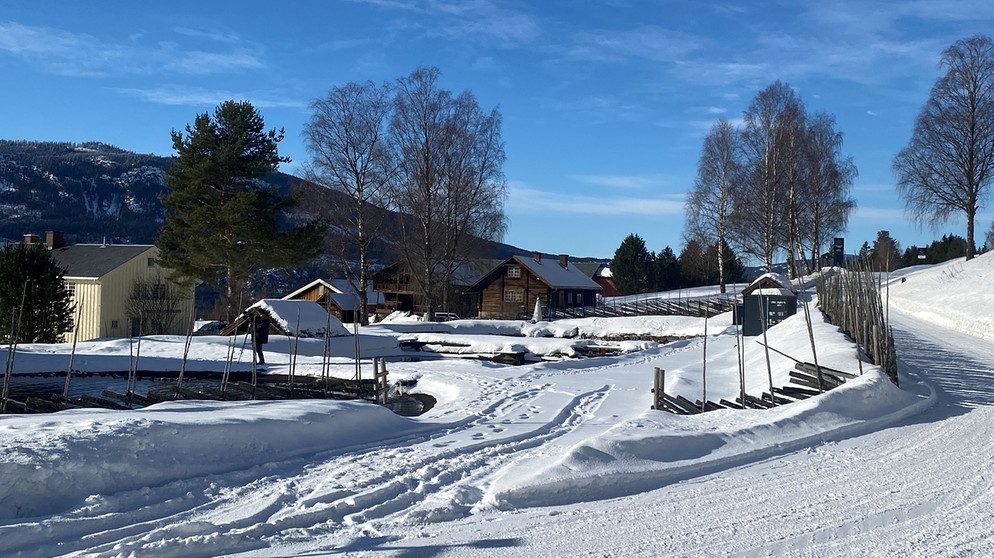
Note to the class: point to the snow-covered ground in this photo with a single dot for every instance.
(562, 456)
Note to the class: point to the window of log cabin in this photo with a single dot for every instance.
(514, 272)
(404, 279)
(514, 295)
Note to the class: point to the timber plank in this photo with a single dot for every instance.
(688, 404)
(809, 367)
(731, 404)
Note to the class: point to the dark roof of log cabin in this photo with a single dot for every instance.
(92, 261)
(550, 271)
(467, 274)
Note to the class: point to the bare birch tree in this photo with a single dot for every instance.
(475, 189)
(450, 180)
(946, 167)
(829, 176)
(762, 211)
(709, 205)
(347, 139)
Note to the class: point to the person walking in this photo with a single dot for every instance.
(260, 336)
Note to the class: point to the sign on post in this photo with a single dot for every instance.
(839, 252)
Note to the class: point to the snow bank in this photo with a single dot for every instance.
(50, 464)
(660, 448)
(956, 294)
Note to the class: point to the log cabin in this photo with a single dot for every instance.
(510, 290)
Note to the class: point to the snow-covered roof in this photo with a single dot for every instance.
(302, 318)
(767, 281)
(771, 291)
(556, 275)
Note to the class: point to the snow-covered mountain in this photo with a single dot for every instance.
(91, 191)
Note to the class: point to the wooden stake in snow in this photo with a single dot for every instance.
(704, 365)
(658, 387)
(765, 312)
(72, 354)
(186, 354)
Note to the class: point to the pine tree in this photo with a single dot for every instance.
(222, 221)
(733, 267)
(631, 266)
(34, 299)
(666, 270)
(886, 253)
(694, 265)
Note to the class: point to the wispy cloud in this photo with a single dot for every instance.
(199, 62)
(624, 182)
(481, 20)
(525, 199)
(79, 54)
(197, 96)
(648, 42)
(60, 52)
(214, 35)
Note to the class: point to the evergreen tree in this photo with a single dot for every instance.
(631, 267)
(694, 265)
(666, 270)
(910, 256)
(34, 299)
(949, 247)
(864, 253)
(885, 254)
(222, 220)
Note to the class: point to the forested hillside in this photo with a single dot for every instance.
(91, 191)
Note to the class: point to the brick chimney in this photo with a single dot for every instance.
(537, 256)
(564, 260)
(55, 239)
(30, 238)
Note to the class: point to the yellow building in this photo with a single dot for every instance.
(120, 291)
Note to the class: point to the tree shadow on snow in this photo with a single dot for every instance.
(961, 381)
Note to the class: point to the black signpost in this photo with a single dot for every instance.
(839, 252)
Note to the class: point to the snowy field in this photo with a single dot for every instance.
(559, 457)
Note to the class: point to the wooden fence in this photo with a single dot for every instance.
(651, 306)
(851, 300)
(810, 380)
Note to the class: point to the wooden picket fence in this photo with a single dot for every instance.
(851, 300)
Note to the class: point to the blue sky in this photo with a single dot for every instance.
(605, 103)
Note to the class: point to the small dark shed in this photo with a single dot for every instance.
(766, 302)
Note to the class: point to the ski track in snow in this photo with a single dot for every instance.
(400, 483)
